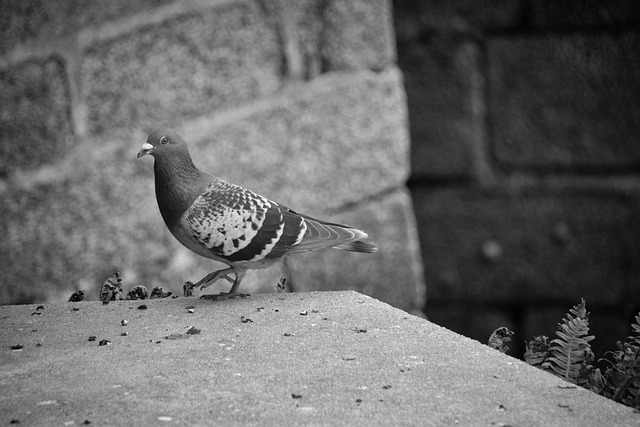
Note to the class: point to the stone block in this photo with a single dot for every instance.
(184, 67)
(316, 151)
(501, 248)
(582, 13)
(341, 139)
(35, 121)
(72, 233)
(300, 25)
(358, 34)
(565, 102)
(393, 274)
(22, 21)
(413, 18)
(445, 90)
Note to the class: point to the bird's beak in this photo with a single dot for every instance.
(145, 149)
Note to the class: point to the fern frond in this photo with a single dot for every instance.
(622, 379)
(570, 356)
(537, 351)
(635, 328)
(598, 382)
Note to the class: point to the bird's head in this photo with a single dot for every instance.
(162, 142)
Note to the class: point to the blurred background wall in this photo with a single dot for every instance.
(510, 126)
(525, 132)
(300, 101)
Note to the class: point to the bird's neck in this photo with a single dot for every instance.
(178, 183)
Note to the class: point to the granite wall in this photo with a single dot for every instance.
(301, 101)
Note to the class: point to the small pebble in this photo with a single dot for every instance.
(193, 331)
(303, 313)
(124, 322)
(191, 310)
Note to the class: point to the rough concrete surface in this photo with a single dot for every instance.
(319, 358)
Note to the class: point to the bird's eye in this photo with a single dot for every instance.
(164, 140)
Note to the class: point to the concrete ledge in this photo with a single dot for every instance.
(320, 358)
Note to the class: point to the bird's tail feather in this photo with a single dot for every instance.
(322, 234)
(358, 246)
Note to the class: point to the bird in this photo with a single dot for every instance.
(229, 223)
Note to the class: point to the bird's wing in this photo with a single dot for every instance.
(239, 225)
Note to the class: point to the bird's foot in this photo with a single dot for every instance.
(224, 296)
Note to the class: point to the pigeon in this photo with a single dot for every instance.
(231, 224)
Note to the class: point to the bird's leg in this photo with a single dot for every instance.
(210, 278)
(234, 288)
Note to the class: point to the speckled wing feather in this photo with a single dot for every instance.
(240, 226)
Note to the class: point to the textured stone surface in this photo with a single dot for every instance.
(35, 122)
(498, 248)
(73, 232)
(182, 68)
(25, 20)
(560, 14)
(299, 359)
(565, 102)
(393, 274)
(358, 34)
(339, 140)
(300, 25)
(444, 96)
